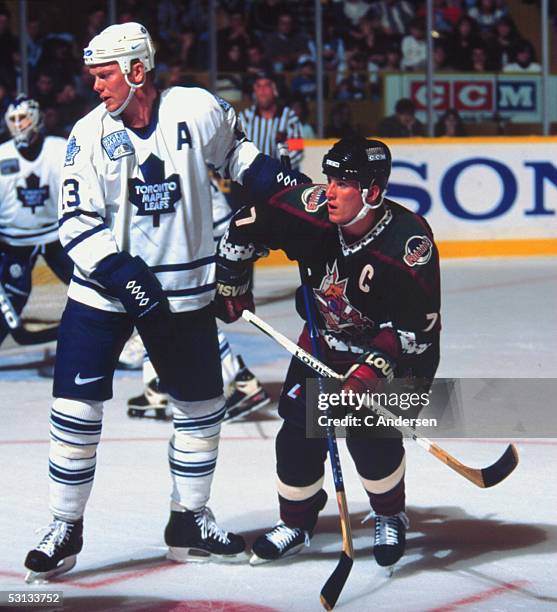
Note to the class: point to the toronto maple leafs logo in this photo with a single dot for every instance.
(156, 195)
(72, 149)
(334, 306)
(33, 194)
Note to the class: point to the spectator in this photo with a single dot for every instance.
(480, 58)
(234, 59)
(464, 38)
(256, 64)
(353, 11)
(394, 17)
(44, 90)
(334, 53)
(34, 41)
(450, 124)
(354, 85)
(446, 14)
(188, 48)
(234, 34)
(58, 59)
(300, 107)
(9, 46)
(393, 57)
(70, 106)
(264, 16)
(304, 84)
(441, 57)
(486, 14)
(96, 21)
(403, 123)
(341, 123)
(524, 58)
(414, 47)
(368, 41)
(506, 36)
(285, 46)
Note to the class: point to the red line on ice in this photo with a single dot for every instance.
(480, 596)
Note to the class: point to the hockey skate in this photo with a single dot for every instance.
(390, 539)
(57, 551)
(246, 394)
(195, 536)
(280, 542)
(152, 404)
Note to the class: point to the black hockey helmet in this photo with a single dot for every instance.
(359, 159)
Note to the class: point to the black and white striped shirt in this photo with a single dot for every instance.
(263, 132)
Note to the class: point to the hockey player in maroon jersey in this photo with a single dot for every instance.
(373, 270)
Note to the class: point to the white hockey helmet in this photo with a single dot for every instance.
(122, 43)
(24, 120)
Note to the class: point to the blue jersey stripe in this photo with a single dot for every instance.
(83, 236)
(190, 265)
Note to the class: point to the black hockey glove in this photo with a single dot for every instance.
(233, 294)
(130, 280)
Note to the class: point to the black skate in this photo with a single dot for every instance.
(152, 404)
(247, 394)
(56, 552)
(280, 542)
(390, 538)
(195, 536)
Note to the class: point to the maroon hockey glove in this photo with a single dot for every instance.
(233, 295)
(375, 367)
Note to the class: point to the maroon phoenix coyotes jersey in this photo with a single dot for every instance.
(389, 277)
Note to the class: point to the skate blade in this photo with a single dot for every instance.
(41, 577)
(156, 414)
(255, 560)
(198, 555)
(244, 413)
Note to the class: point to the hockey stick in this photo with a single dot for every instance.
(19, 333)
(482, 477)
(336, 581)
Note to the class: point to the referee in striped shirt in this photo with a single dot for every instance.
(267, 123)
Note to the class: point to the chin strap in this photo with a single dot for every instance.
(365, 209)
(124, 105)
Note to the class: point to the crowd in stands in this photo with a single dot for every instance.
(362, 39)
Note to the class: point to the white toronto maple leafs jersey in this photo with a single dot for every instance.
(29, 193)
(147, 192)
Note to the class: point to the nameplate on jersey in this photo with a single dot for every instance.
(117, 145)
(157, 194)
(72, 149)
(9, 166)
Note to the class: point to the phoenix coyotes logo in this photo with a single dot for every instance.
(157, 194)
(334, 306)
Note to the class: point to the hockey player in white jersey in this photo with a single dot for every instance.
(30, 167)
(243, 391)
(135, 217)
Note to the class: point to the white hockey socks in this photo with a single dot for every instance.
(75, 431)
(193, 450)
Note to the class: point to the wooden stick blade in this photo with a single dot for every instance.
(334, 585)
(497, 472)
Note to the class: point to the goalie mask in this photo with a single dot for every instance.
(24, 120)
(357, 159)
(122, 43)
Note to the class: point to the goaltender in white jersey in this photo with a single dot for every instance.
(126, 182)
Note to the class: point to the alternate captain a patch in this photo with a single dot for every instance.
(157, 194)
(117, 145)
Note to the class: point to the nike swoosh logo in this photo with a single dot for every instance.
(135, 46)
(83, 381)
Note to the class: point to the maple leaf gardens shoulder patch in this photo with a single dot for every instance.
(117, 145)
